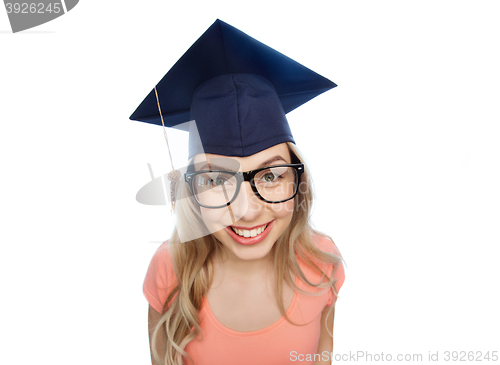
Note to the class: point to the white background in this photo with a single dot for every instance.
(404, 154)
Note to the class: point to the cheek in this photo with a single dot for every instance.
(215, 218)
(283, 210)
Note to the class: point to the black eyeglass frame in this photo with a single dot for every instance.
(241, 177)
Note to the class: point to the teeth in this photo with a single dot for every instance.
(252, 233)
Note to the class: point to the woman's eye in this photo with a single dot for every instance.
(269, 177)
(220, 181)
(216, 181)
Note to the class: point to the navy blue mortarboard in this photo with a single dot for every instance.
(236, 89)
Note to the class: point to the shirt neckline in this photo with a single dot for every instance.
(220, 326)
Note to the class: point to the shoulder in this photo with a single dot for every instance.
(163, 251)
(336, 269)
(160, 277)
(331, 265)
(162, 259)
(325, 244)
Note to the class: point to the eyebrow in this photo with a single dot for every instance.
(263, 164)
(271, 160)
(214, 167)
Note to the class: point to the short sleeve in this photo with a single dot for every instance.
(160, 279)
(325, 244)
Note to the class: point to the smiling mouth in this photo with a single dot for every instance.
(249, 233)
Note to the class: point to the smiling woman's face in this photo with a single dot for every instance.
(247, 215)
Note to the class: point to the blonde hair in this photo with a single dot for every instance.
(192, 261)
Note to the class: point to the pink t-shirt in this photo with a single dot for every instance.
(279, 343)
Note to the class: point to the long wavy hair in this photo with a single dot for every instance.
(192, 260)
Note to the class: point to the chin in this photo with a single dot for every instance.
(253, 253)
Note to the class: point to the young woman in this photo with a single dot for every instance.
(244, 279)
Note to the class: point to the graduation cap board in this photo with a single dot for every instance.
(236, 89)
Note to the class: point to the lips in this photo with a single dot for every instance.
(243, 235)
(249, 233)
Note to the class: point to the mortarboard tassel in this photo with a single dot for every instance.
(175, 175)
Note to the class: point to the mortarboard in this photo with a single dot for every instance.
(236, 89)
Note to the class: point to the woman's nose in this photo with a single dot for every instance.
(247, 206)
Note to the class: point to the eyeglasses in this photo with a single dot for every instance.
(219, 188)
